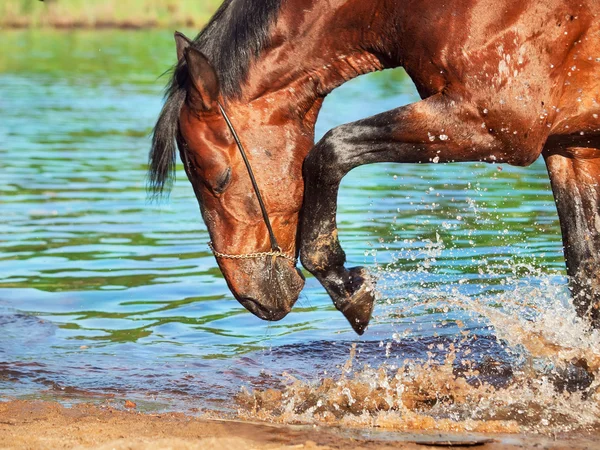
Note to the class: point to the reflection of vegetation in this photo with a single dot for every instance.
(488, 222)
(117, 57)
(106, 13)
(76, 274)
(77, 223)
(392, 82)
(154, 317)
(87, 132)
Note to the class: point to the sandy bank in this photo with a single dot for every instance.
(46, 425)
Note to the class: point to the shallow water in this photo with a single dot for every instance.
(104, 295)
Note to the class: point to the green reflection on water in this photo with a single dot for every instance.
(107, 56)
(77, 221)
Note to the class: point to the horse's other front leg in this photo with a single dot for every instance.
(575, 178)
(433, 130)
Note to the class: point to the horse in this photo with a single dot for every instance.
(501, 81)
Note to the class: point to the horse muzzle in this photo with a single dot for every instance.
(268, 287)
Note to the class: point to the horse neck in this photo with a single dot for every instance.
(316, 46)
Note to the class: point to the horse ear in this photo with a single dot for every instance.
(203, 91)
(181, 43)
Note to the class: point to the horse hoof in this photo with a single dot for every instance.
(359, 306)
(575, 377)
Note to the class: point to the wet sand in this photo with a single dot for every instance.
(48, 425)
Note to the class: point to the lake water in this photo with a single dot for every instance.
(105, 296)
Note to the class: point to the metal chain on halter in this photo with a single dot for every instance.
(276, 253)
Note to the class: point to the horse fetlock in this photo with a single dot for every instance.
(322, 253)
(585, 286)
(587, 305)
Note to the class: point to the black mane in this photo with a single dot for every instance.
(235, 35)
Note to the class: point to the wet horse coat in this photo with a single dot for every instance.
(501, 81)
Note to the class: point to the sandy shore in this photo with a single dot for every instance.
(47, 425)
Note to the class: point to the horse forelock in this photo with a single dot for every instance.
(236, 34)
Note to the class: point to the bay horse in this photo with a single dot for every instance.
(501, 81)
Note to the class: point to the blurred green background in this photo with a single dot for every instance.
(105, 13)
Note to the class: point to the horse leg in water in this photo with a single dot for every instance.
(575, 178)
(437, 129)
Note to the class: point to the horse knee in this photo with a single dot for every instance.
(312, 261)
(327, 158)
(322, 253)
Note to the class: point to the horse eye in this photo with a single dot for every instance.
(223, 181)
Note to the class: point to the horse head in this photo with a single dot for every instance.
(262, 278)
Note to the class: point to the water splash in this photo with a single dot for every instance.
(542, 375)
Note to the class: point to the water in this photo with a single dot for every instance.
(104, 296)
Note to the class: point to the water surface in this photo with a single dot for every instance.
(103, 294)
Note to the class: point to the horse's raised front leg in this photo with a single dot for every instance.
(433, 130)
(575, 178)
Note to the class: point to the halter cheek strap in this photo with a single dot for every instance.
(274, 244)
(275, 249)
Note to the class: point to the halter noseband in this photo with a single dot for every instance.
(275, 249)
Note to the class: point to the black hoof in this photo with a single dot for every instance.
(575, 377)
(358, 307)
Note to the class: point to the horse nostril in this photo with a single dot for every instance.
(274, 316)
(254, 307)
(263, 312)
